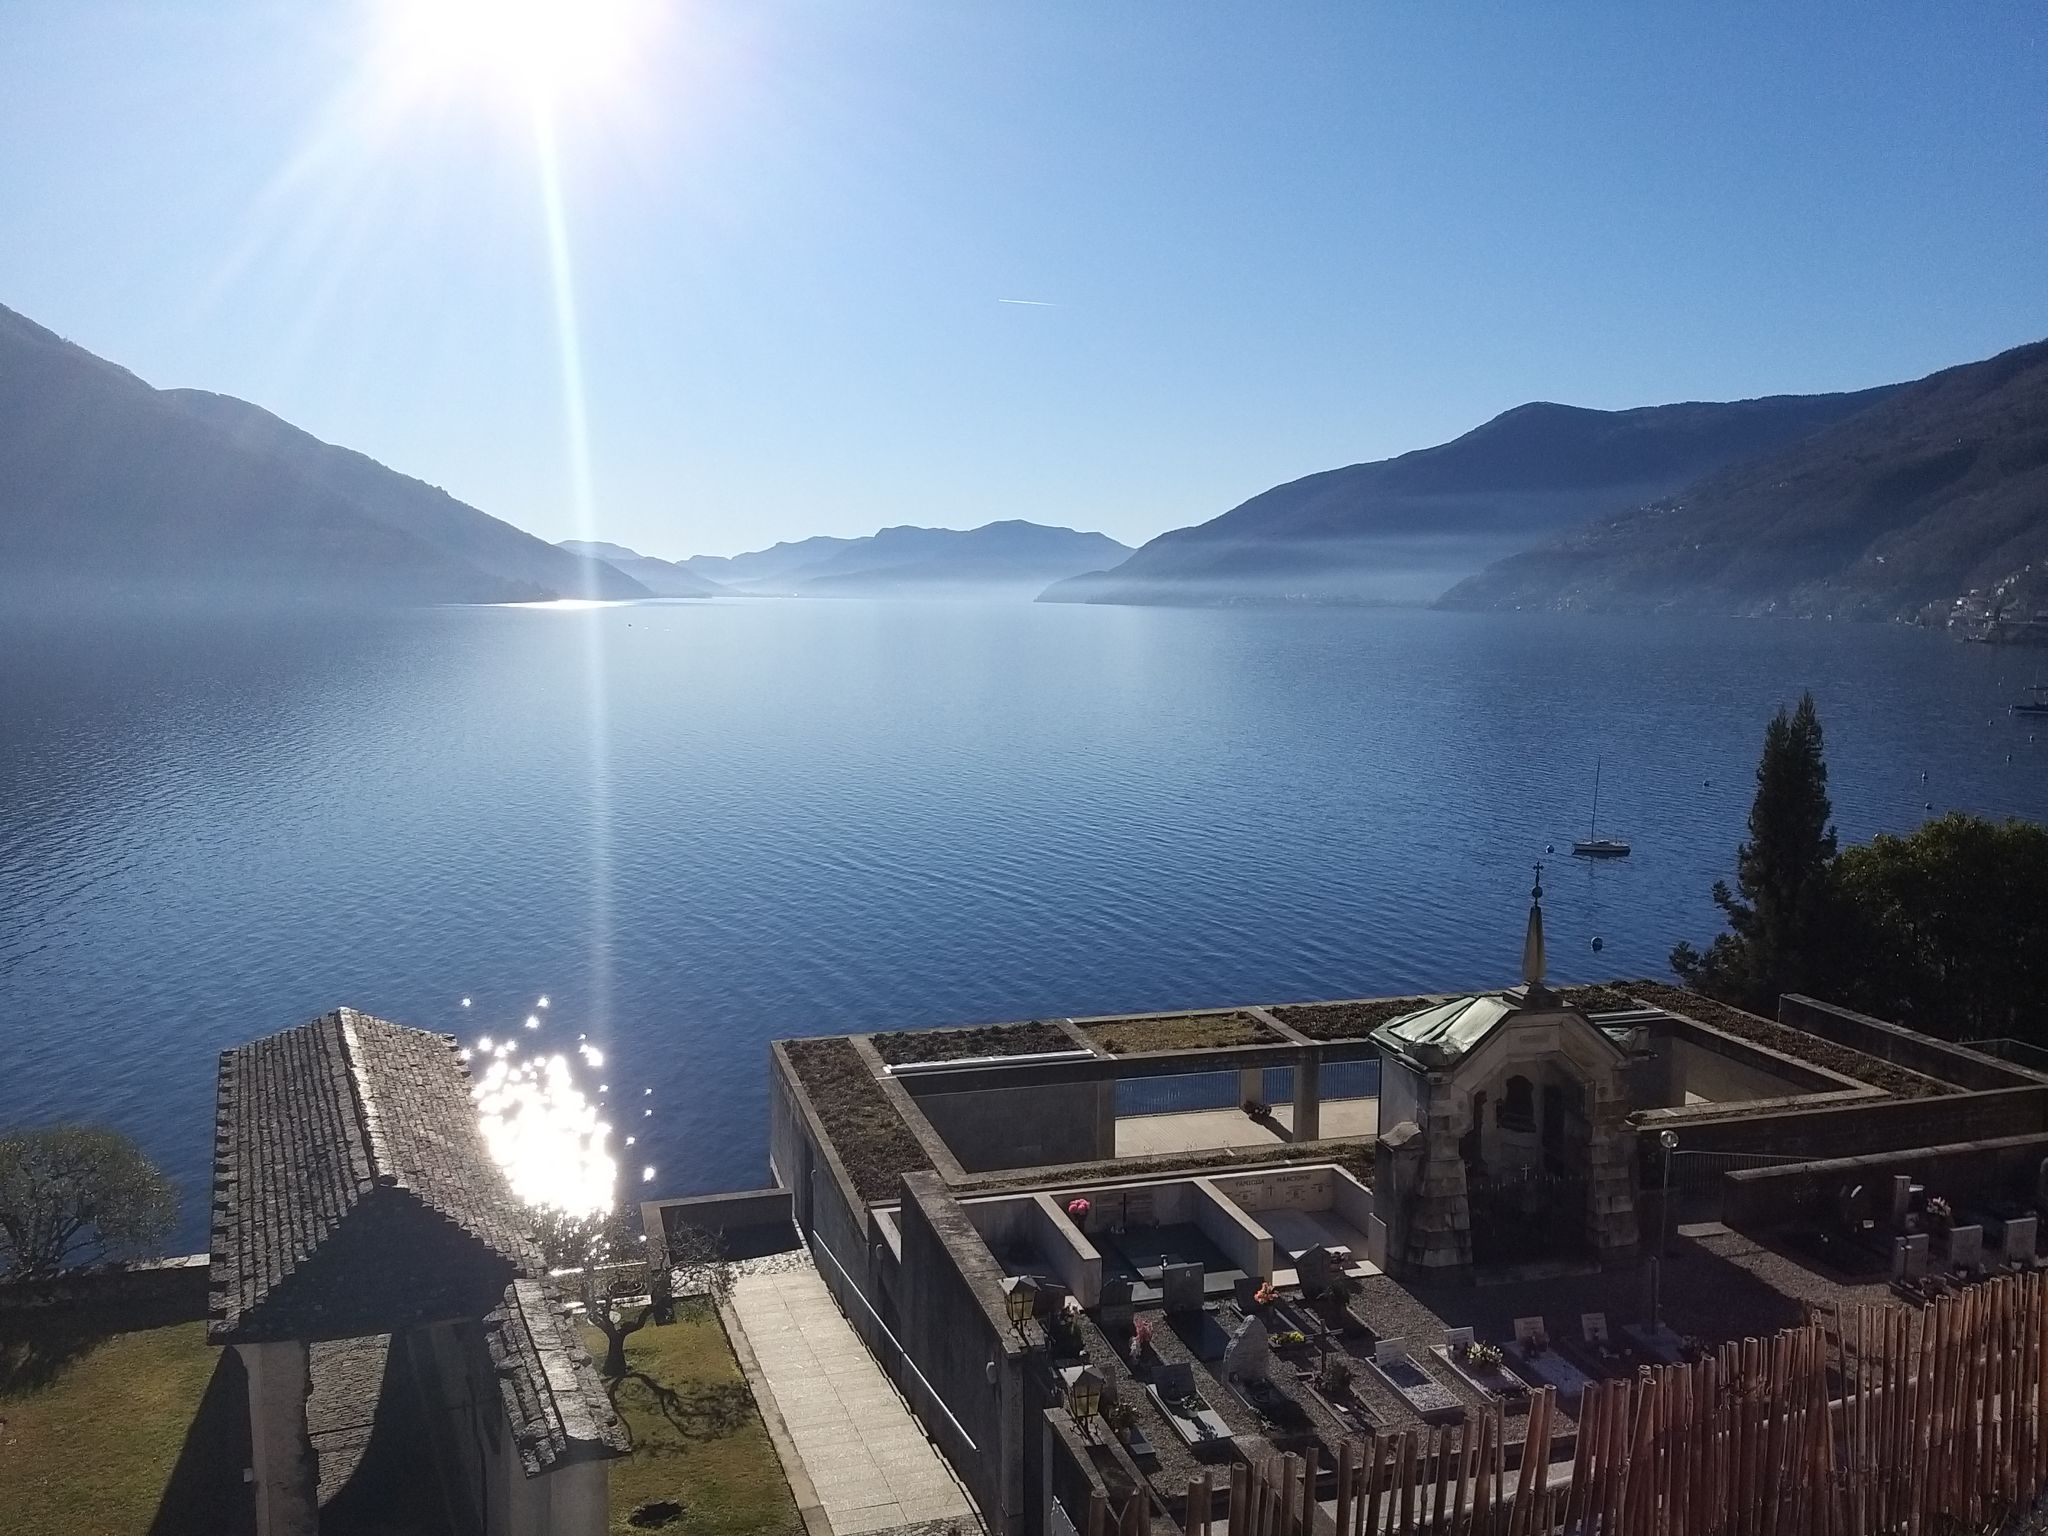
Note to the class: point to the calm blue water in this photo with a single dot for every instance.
(696, 828)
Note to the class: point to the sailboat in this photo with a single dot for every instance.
(1595, 846)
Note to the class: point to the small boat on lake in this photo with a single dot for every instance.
(1594, 846)
(2037, 705)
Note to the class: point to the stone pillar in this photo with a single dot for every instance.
(1251, 1085)
(1308, 1096)
(1105, 1119)
(287, 1480)
(1612, 1231)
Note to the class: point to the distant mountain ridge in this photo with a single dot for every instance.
(1011, 558)
(1406, 528)
(664, 578)
(1940, 488)
(111, 490)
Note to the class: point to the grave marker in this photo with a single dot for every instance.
(1116, 1305)
(1250, 1356)
(1593, 1325)
(1530, 1333)
(2022, 1238)
(1315, 1269)
(1180, 1287)
(1966, 1247)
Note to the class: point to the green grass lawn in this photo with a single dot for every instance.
(1201, 1031)
(93, 1422)
(697, 1437)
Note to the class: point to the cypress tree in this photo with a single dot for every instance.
(1778, 926)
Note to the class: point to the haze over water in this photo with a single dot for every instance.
(809, 817)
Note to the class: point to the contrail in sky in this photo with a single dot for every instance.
(1034, 303)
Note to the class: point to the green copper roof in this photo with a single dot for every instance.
(1444, 1032)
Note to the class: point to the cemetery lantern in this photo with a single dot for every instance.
(1020, 1300)
(1084, 1394)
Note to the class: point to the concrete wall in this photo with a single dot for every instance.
(1964, 1171)
(1244, 1242)
(1723, 1077)
(163, 1290)
(1861, 1128)
(954, 1330)
(995, 1128)
(1907, 1048)
(286, 1473)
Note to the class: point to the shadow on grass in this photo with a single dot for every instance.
(205, 1493)
(38, 1344)
(707, 1410)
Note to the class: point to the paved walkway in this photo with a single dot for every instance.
(1203, 1130)
(866, 1457)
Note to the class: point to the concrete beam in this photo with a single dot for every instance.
(280, 1377)
(1237, 1058)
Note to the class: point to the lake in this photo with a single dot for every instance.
(697, 827)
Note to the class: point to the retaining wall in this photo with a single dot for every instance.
(1938, 1059)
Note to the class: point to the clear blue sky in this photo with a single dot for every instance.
(1270, 239)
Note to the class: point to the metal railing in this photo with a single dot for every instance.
(853, 1285)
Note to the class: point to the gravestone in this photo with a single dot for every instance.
(1138, 1209)
(1177, 1379)
(1909, 1257)
(1390, 1351)
(2022, 1237)
(1315, 1269)
(1116, 1305)
(1593, 1325)
(1376, 1242)
(1901, 1202)
(1531, 1334)
(1457, 1340)
(1106, 1211)
(1180, 1287)
(1966, 1247)
(1250, 1356)
(1052, 1299)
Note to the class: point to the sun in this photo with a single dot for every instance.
(522, 53)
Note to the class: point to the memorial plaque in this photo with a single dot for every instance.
(1176, 1380)
(1390, 1351)
(1966, 1247)
(1106, 1211)
(1457, 1339)
(1531, 1334)
(1180, 1287)
(2022, 1238)
(1315, 1269)
(1593, 1325)
(1138, 1209)
(1250, 1357)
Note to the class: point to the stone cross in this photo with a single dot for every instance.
(1180, 1287)
(1249, 1358)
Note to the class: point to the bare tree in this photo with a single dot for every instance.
(77, 1194)
(697, 1260)
(614, 1270)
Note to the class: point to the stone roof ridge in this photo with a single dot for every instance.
(554, 1401)
(382, 1166)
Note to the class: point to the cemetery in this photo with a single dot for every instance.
(1563, 1197)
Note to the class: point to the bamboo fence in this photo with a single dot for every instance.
(1871, 1420)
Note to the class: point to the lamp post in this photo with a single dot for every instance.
(1020, 1301)
(1083, 1391)
(1668, 1140)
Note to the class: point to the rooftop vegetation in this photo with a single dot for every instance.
(1182, 1032)
(1796, 1043)
(872, 1141)
(900, 1047)
(1347, 1021)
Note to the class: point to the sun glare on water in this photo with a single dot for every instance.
(542, 1130)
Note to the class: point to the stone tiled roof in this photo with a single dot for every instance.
(353, 1192)
(555, 1405)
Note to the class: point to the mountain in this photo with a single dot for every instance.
(1403, 529)
(1007, 559)
(111, 491)
(664, 578)
(1941, 488)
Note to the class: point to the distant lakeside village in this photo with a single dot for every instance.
(1523, 1260)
